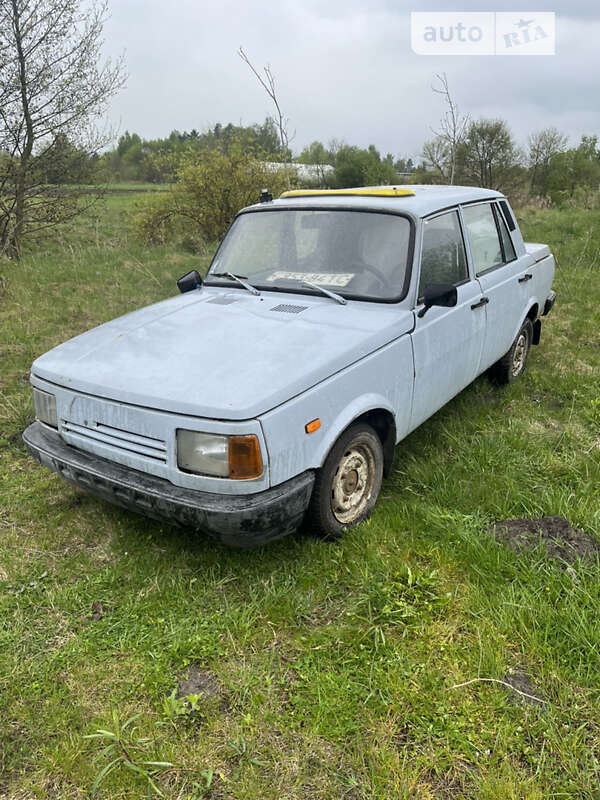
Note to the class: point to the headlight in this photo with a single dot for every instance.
(45, 407)
(221, 456)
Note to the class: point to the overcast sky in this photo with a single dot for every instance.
(344, 70)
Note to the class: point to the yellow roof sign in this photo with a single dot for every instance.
(382, 191)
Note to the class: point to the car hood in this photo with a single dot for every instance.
(222, 354)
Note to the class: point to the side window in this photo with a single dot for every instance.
(443, 258)
(510, 221)
(507, 244)
(483, 237)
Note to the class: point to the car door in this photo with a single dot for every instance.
(501, 274)
(447, 342)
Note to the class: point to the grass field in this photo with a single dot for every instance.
(354, 670)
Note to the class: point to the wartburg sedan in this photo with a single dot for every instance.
(329, 326)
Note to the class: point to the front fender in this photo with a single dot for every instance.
(359, 406)
(382, 380)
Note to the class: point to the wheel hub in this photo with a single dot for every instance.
(350, 482)
(520, 354)
(353, 484)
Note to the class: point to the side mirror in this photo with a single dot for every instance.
(189, 282)
(439, 294)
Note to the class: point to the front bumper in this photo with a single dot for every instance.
(236, 520)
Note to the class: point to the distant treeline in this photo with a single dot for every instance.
(338, 164)
(486, 155)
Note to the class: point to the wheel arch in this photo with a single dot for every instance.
(532, 315)
(530, 312)
(374, 411)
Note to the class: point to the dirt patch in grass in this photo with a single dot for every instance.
(559, 538)
(526, 689)
(445, 786)
(98, 611)
(200, 681)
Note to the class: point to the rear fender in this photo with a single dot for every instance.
(527, 307)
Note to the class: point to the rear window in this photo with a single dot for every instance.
(483, 237)
(507, 244)
(510, 220)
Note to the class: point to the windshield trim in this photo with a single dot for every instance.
(320, 207)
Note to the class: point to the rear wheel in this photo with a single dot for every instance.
(347, 485)
(512, 365)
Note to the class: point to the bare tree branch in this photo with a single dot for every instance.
(453, 126)
(268, 84)
(501, 683)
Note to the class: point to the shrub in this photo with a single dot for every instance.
(206, 196)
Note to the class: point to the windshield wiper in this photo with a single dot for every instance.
(337, 297)
(238, 278)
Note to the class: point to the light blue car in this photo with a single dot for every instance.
(329, 326)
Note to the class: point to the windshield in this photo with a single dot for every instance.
(353, 253)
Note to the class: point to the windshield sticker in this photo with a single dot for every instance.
(318, 278)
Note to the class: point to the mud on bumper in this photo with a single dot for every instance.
(236, 520)
(550, 300)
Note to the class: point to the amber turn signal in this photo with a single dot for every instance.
(313, 426)
(244, 457)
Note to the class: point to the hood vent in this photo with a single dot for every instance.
(288, 308)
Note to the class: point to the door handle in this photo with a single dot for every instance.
(527, 277)
(482, 302)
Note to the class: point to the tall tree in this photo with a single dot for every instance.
(53, 87)
(356, 167)
(317, 155)
(542, 147)
(490, 156)
(436, 156)
(575, 171)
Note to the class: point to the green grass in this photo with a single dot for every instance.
(338, 664)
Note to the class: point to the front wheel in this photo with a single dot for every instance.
(512, 365)
(347, 485)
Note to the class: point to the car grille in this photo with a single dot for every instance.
(117, 439)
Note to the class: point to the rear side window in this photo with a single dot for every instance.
(507, 244)
(443, 258)
(483, 237)
(510, 220)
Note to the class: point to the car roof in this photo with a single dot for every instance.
(418, 200)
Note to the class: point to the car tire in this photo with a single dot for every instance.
(512, 365)
(347, 485)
